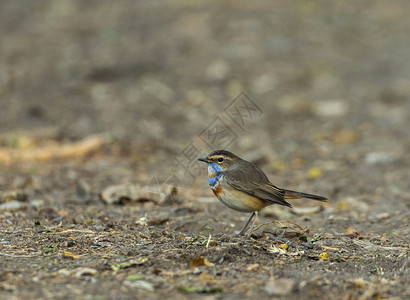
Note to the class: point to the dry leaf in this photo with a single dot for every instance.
(359, 282)
(342, 205)
(52, 150)
(284, 246)
(345, 137)
(161, 195)
(252, 267)
(274, 249)
(350, 230)
(323, 256)
(314, 173)
(199, 262)
(205, 276)
(67, 254)
(129, 264)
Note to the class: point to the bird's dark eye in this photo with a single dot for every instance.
(220, 159)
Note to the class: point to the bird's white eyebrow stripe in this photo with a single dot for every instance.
(217, 156)
(214, 156)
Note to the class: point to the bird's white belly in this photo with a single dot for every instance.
(238, 200)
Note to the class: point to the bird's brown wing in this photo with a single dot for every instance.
(252, 181)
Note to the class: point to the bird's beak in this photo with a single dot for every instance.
(204, 159)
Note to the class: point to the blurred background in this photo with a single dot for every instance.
(331, 80)
(103, 103)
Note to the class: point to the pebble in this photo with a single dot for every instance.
(217, 70)
(12, 206)
(331, 108)
(279, 287)
(378, 157)
(264, 83)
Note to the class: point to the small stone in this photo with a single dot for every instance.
(12, 206)
(331, 108)
(264, 83)
(217, 70)
(383, 216)
(378, 157)
(84, 271)
(280, 287)
(294, 104)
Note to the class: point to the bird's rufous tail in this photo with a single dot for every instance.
(297, 195)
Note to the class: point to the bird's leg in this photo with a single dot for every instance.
(253, 223)
(243, 230)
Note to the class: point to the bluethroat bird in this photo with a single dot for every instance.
(244, 187)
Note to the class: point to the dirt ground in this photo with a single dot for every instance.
(106, 105)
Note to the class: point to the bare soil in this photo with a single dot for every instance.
(330, 85)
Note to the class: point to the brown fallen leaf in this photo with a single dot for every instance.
(350, 230)
(199, 262)
(345, 136)
(359, 282)
(51, 150)
(67, 254)
(252, 267)
(205, 276)
(124, 193)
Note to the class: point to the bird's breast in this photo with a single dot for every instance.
(217, 189)
(237, 200)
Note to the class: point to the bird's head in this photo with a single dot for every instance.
(220, 160)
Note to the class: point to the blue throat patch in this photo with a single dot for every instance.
(214, 169)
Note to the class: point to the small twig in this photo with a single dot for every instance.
(146, 228)
(69, 231)
(284, 240)
(287, 241)
(246, 251)
(207, 243)
(291, 222)
(263, 224)
(175, 249)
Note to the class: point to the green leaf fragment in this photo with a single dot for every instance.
(128, 264)
(309, 239)
(134, 277)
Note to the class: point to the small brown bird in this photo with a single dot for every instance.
(244, 187)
